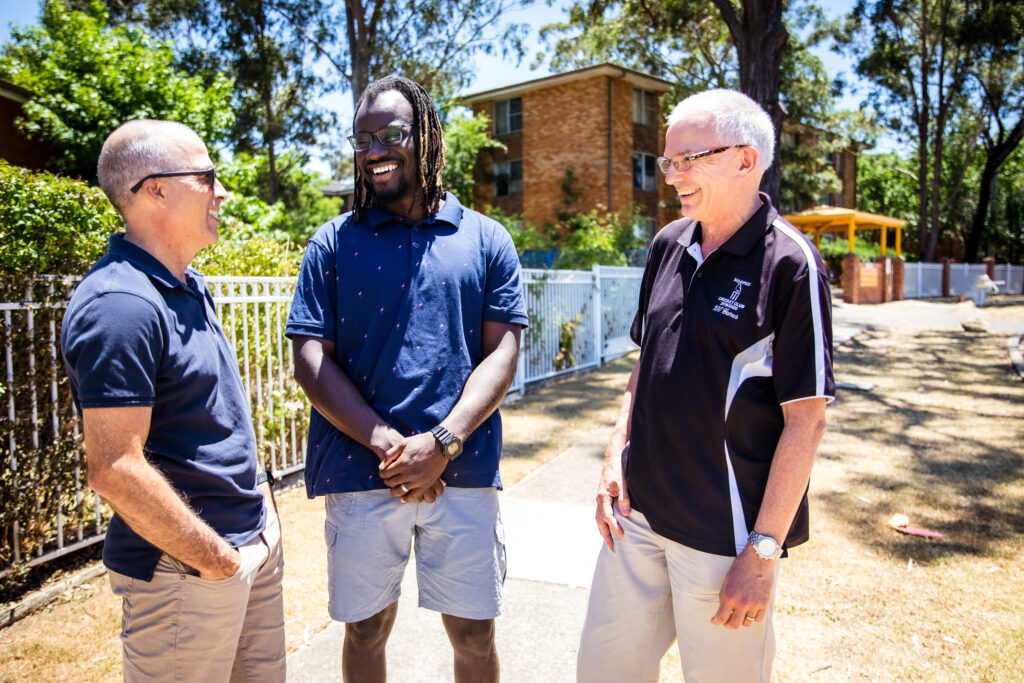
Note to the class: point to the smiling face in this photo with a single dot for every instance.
(390, 170)
(709, 188)
(194, 205)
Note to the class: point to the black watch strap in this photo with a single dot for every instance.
(265, 476)
(451, 445)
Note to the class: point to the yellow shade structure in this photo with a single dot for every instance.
(834, 219)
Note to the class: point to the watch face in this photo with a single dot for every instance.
(452, 449)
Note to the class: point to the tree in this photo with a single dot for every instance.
(995, 28)
(268, 46)
(429, 41)
(919, 69)
(464, 138)
(88, 78)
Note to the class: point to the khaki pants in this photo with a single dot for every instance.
(650, 591)
(179, 627)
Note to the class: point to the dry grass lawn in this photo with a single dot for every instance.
(939, 439)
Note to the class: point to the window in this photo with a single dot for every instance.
(508, 116)
(508, 178)
(644, 229)
(644, 172)
(645, 107)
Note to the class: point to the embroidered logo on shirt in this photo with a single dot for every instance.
(731, 306)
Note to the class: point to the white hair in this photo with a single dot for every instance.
(133, 151)
(738, 120)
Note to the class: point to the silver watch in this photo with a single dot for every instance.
(766, 547)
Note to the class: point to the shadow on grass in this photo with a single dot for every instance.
(938, 439)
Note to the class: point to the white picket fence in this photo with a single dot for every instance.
(578, 320)
(921, 280)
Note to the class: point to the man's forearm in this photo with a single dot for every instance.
(485, 389)
(623, 421)
(336, 398)
(148, 504)
(791, 466)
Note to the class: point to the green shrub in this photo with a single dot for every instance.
(49, 224)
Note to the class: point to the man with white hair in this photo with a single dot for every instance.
(704, 484)
(194, 546)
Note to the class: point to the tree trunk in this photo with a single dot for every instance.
(355, 25)
(759, 35)
(995, 155)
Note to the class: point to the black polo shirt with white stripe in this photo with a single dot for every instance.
(724, 344)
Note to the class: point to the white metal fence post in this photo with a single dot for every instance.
(598, 316)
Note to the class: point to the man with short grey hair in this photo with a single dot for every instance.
(704, 484)
(194, 545)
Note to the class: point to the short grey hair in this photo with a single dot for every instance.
(738, 120)
(133, 151)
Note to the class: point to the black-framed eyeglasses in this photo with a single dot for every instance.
(389, 136)
(209, 174)
(684, 162)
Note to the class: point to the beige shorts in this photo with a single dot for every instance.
(650, 591)
(180, 627)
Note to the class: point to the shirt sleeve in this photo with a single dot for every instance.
(113, 346)
(503, 298)
(636, 330)
(802, 354)
(315, 303)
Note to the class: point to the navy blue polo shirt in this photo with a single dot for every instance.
(135, 335)
(405, 306)
(724, 343)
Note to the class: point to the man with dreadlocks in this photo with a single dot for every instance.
(405, 326)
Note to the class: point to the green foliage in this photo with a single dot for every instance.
(887, 186)
(523, 236)
(836, 249)
(49, 224)
(465, 137)
(300, 208)
(596, 238)
(89, 78)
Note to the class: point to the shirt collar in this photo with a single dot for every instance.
(145, 261)
(450, 213)
(744, 239)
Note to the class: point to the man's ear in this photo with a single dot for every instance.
(747, 160)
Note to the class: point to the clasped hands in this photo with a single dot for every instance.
(412, 466)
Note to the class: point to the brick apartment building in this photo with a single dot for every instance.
(602, 121)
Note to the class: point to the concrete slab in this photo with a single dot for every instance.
(537, 639)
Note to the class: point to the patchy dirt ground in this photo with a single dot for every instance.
(939, 439)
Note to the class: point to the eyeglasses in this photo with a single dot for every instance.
(389, 136)
(210, 174)
(684, 162)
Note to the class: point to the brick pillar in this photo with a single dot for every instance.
(851, 279)
(898, 271)
(945, 277)
(885, 279)
(990, 267)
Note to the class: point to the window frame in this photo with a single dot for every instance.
(505, 178)
(508, 116)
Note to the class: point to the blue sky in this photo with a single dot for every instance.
(493, 71)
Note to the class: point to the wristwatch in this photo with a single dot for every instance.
(766, 547)
(451, 445)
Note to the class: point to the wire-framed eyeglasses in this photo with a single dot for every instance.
(389, 136)
(210, 174)
(683, 162)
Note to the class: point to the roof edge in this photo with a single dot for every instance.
(607, 69)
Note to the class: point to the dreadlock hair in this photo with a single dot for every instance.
(430, 149)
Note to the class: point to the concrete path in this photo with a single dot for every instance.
(552, 544)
